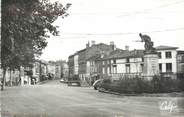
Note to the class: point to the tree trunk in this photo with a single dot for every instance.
(4, 79)
(10, 77)
(19, 80)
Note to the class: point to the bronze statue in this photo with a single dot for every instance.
(148, 43)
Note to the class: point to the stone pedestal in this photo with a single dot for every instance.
(151, 67)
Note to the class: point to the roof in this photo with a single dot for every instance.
(163, 47)
(180, 52)
(95, 57)
(81, 50)
(71, 56)
(126, 54)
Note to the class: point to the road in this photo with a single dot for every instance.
(54, 99)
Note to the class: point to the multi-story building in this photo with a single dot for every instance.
(93, 66)
(52, 67)
(131, 63)
(82, 64)
(71, 66)
(169, 61)
(39, 69)
(86, 59)
(180, 64)
(76, 64)
(65, 70)
(58, 69)
(123, 63)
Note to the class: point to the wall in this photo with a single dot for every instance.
(76, 64)
(71, 66)
(165, 60)
(180, 63)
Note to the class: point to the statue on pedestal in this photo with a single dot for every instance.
(148, 43)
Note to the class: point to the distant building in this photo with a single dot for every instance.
(71, 66)
(80, 64)
(40, 69)
(65, 70)
(76, 64)
(52, 68)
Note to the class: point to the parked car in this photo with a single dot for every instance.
(62, 80)
(97, 83)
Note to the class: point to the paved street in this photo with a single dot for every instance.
(54, 99)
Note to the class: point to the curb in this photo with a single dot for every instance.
(110, 92)
(174, 94)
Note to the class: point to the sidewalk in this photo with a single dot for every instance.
(42, 82)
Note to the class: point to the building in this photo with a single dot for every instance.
(170, 61)
(51, 67)
(58, 70)
(71, 66)
(76, 64)
(180, 64)
(131, 63)
(40, 69)
(65, 70)
(80, 64)
(123, 63)
(93, 66)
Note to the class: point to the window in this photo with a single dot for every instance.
(108, 70)
(142, 67)
(160, 67)
(168, 55)
(182, 68)
(103, 70)
(182, 59)
(114, 69)
(128, 68)
(114, 61)
(168, 67)
(142, 59)
(103, 62)
(159, 55)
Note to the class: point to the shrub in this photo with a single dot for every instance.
(139, 85)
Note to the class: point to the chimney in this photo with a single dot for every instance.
(92, 42)
(127, 48)
(112, 45)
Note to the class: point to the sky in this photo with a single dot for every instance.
(119, 21)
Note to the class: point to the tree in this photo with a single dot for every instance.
(25, 25)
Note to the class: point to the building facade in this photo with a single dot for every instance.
(124, 63)
(71, 66)
(131, 63)
(85, 61)
(76, 64)
(168, 61)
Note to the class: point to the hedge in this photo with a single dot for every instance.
(139, 85)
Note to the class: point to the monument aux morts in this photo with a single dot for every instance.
(151, 67)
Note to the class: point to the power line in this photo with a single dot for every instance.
(119, 34)
(146, 10)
